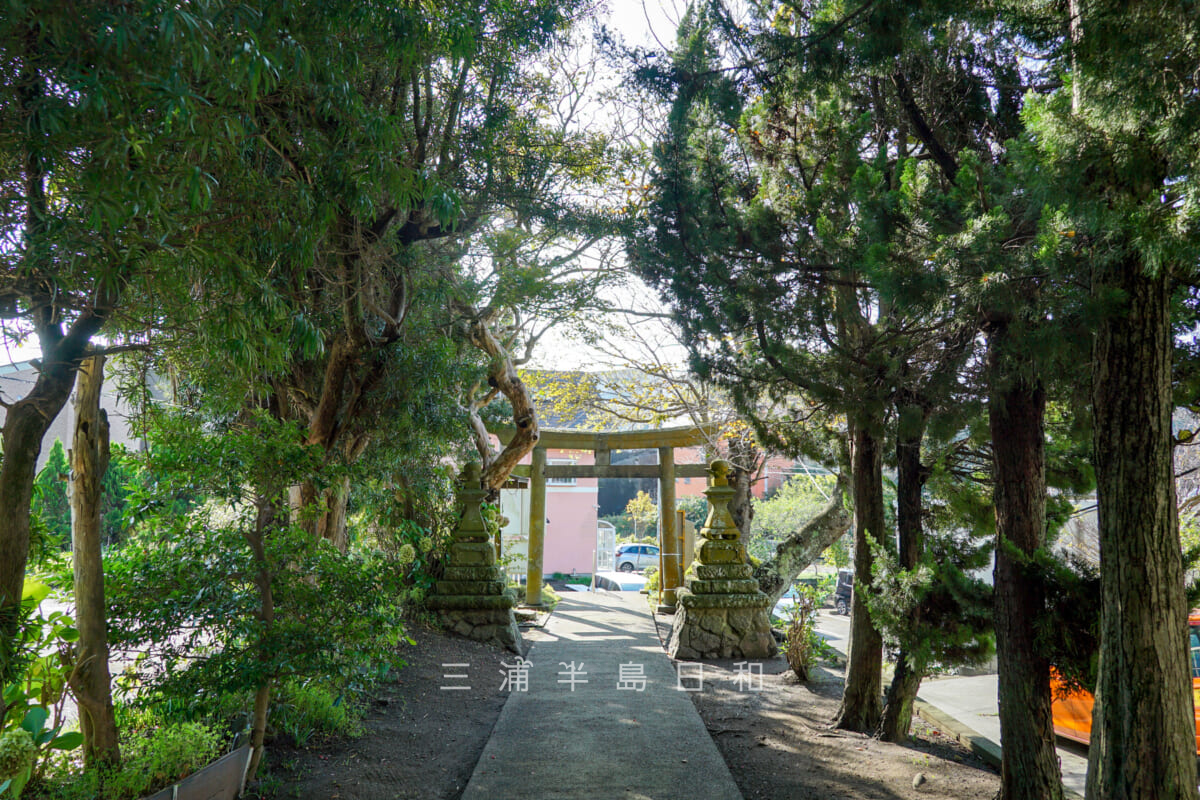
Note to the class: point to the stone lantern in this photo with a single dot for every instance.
(721, 612)
(472, 600)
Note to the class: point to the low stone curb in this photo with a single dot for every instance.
(974, 741)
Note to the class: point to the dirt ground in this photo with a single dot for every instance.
(423, 742)
(778, 743)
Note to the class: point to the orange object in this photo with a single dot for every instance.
(1072, 711)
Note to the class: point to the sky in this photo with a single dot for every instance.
(647, 24)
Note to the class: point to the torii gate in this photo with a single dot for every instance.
(665, 440)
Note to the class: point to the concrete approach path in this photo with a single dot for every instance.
(594, 740)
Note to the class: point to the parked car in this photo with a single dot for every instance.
(1071, 712)
(632, 557)
(618, 582)
(843, 591)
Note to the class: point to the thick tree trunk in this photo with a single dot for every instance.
(92, 683)
(332, 524)
(861, 704)
(800, 549)
(910, 478)
(256, 539)
(1143, 730)
(24, 427)
(740, 507)
(1016, 411)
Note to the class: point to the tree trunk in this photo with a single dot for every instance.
(741, 509)
(256, 539)
(332, 524)
(502, 376)
(910, 478)
(801, 548)
(861, 705)
(1143, 729)
(1016, 410)
(24, 427)
(91, 682)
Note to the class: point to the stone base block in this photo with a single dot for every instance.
(740, 586)
(471, 602)
(476, 573)
(722, 551)
(469, 554)
(723, 572)
(720, 632)
(494, 626)
(469, 587)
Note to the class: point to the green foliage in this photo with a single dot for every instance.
(184, 589)
(17, 756)
(623, 524)
(1068, 635)
(153, 758)
(116, 490)
(938, 612)
(790, 506)
(43, 661)
(644, 514)
(653, 577)
(302, 710)
(695, 509)
(185, 599)
(803, 646)
(838, 553)
(51, 505)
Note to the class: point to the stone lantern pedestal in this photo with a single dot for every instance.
(472, 600)
(721, 613)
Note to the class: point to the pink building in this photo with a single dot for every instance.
(571, 516)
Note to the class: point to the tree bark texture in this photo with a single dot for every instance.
(91, 682)
(740, 507)
(861, 705)
(1016, 412)
(910, 478)
(26, 423)
(332, 524)
(502, 376)
(1143, 728)
(801, 548)
(256, 539)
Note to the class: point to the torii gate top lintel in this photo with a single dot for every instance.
(572, 439)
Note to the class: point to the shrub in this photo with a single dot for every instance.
(153, 760)
(804, 646)
(303, 710)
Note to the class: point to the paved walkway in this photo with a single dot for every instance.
(594, 740)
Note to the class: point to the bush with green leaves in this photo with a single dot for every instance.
(803, 646)
(32, 726)
(155, 757)
(187, 588)
(940, 612)
(303, 710)
(187, 599)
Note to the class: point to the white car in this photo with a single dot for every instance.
(618, 582)
(632, 557)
